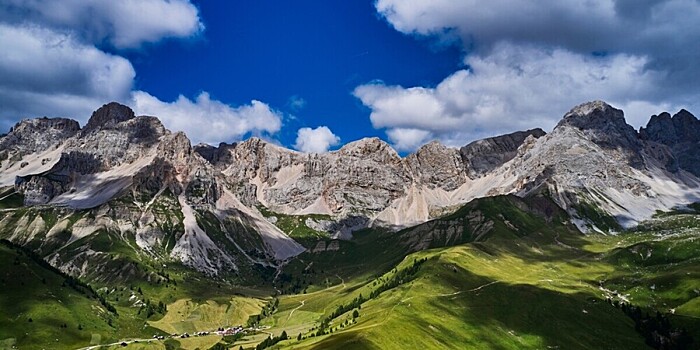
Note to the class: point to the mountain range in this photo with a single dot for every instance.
(121, 229)
(215, 208)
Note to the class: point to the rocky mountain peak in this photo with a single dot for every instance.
(595, 115)
(687, 126)
(255, 145)
(370, 147)
(432, 146)
(482, 156)
(34, 135)
(662, 128)
(29, 127)
(109, 115)
(659, 129)
(680, 133)
(437, 165)
(684, 115)
(606, 126)
(45, 123)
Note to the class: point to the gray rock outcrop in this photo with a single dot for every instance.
(483, 156)
(142, 179)
(681, 133)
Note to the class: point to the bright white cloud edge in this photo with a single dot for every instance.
(44, 72)
(209, 121)
(512, 88)
(124, 23)
(318, 140)
(518, 79)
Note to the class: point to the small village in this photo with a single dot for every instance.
(221, 331)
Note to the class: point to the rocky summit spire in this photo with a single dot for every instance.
(681, 133)
(606, 126)
(595, 115)
(108, 115)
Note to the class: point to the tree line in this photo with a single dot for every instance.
(656, 329)
(399, 277)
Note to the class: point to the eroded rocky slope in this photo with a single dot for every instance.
(593, 163)
(126, 178)
(126, 181)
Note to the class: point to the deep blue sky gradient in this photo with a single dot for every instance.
(273, 50)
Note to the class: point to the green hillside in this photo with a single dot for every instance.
(531, 281)
(43, 309)
(499, 273)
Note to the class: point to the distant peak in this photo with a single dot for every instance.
(366, 146)
(374, 143)
(685, 115)
(109, 115)
(432, 146)
(594, 115)
(46, 123)
(590, 107)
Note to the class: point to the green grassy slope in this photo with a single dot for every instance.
(530, 283)
(499, 273)
(38, 310)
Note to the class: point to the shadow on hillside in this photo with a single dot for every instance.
(565, 321)
(543, 246)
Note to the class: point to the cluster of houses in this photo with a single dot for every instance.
(220, 331)
(187, 335)
(230, 330)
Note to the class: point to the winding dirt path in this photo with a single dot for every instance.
(295, 309)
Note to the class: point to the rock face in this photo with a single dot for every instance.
(593, 158)
(483, 156)
(202, 205)
(594, 165)
(437, 166)
(681, 133)
(108, 116)
(605, 126)
(363, 178)
(335, 183)
(35, 135)
(143, 183)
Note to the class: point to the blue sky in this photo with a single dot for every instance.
(278, 52)
(314, 75)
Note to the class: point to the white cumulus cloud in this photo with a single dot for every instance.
(527, 63)
(123, 23)
(404, 139)
(44, 72)
(209, 121)
(50, 60)
(512, 88)
(318, 140)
